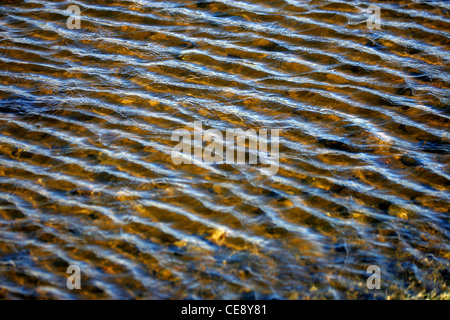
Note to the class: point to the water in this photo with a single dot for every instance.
(86, 176)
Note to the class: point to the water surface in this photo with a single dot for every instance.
(86, 176)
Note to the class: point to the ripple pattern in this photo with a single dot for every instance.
(86, 176)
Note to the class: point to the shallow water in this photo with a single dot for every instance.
(86, 176)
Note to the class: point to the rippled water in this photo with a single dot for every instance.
(86, 176)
